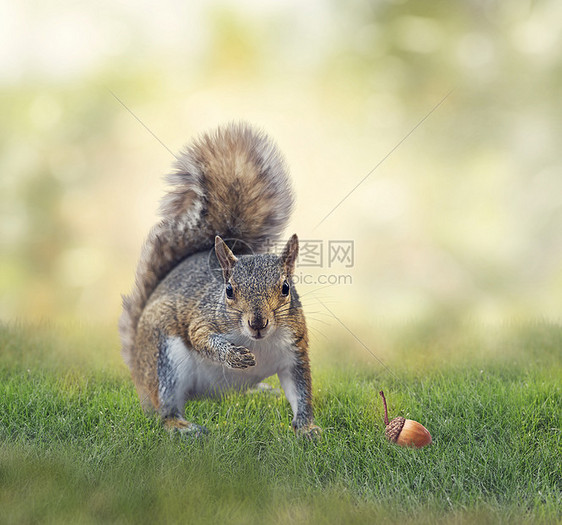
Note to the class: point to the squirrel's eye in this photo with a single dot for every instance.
(229, 291)
(285, 288)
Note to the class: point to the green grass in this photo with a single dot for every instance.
(76, 447)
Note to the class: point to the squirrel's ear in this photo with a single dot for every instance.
(290, 253)
(225, 256)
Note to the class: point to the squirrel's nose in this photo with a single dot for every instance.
(258, 324)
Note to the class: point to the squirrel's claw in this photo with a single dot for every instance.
(240, 357)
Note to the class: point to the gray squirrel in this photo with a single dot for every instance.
(203, 317)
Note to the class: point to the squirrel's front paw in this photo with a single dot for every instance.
(240, 357)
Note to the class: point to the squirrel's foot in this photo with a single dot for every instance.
(311, 432)
(239, 357)
(185, 428)
(266, 389)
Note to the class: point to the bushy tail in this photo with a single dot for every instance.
(232, 182)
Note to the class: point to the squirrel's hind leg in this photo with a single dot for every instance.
(173, 379)
(264, 388)
(181, 425)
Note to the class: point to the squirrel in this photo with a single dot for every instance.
(211, 310)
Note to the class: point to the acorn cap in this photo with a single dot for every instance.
(394, 428)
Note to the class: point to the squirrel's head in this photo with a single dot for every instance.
(257, 288)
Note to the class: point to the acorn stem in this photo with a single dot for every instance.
(385, 409)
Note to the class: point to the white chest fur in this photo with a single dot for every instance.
(199, 376)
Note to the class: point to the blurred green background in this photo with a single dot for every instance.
(463, 220)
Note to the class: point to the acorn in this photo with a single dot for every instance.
(405, 432)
